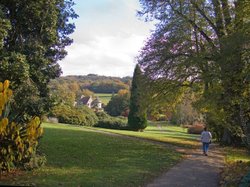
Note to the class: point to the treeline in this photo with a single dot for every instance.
(93, 82)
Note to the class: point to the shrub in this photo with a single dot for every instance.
(102, 115)
(245, 182)
(186, 126)
(195, 129)
(77, 116)
(35, 161)
(112, 123)
(109, 122)
(118, 105)
(19, 140)
(235, 173)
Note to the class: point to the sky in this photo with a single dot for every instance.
(107, 38)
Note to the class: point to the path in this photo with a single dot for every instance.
(196, 170)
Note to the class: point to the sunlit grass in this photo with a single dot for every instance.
(77, 156)
(234, 154)
(163, 132)
(105, 98)
(237, 165)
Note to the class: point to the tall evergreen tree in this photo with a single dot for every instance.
(137, 118)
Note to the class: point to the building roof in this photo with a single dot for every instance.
(96, 101)
(85, 100)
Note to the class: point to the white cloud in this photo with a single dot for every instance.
(107, 39)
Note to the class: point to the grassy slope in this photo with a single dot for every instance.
(77, 156)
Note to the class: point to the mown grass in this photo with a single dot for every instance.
(77, 156)
(237, 165)
(234, 154)
(105, 98)
(163, 132)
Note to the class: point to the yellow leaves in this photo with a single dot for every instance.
(3, 151)
(2, 102)
(6, 84)
(18, 141)
(30, 150)
(40, 131)
(5, 121)
(9, 93)
(1, 86)
(5, 94)
(123, 92)
(34, 130)
(3, 124)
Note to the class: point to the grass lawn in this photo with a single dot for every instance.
(237, 154)
(165, 133)
(77, 156)
(105, 98)
(237, 165)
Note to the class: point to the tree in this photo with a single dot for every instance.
(87, 92)
(184, 112)
(35, 34)
(203, 44)
(119, 104)
(4, 27)
(137, 119)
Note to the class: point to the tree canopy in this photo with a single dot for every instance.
(34, 35)
(119, 104)
(203, 44)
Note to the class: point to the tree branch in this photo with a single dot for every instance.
(202, 13)
(227, 17)
(195, 26)
(218, 17)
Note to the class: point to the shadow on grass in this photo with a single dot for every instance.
(78, 157)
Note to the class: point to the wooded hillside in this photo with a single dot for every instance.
(92, 82)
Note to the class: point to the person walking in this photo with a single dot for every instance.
(206, 138)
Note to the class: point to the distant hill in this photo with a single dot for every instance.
(93, 82)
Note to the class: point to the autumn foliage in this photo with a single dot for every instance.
(18, 140)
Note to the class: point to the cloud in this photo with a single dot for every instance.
(107, 39)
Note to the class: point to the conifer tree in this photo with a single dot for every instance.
(137, 119)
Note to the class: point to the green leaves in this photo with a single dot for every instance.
(204, 43)
(35, 34)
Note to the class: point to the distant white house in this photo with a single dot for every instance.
(90, 102)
